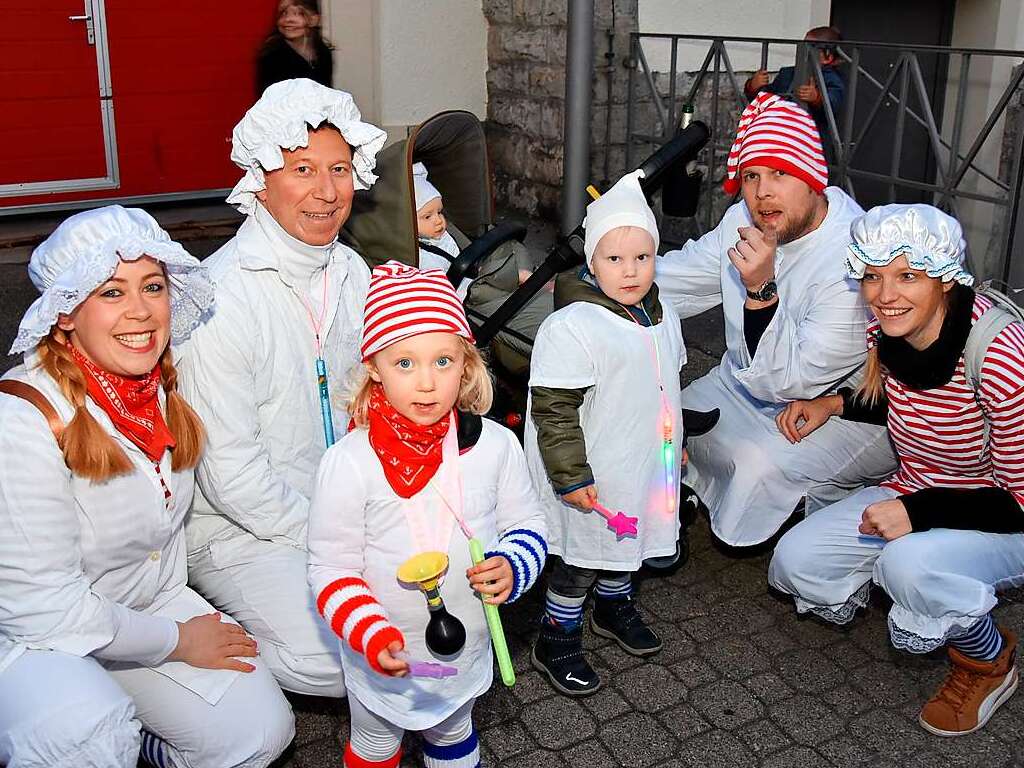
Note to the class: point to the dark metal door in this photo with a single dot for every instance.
(911, 22)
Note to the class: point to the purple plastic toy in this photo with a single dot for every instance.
(430, 669)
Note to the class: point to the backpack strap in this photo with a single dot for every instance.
(983, 332)
(27, 392)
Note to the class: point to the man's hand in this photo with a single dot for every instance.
(757, 81)
(389, 661)
(492, 578)
(809, 93)
(754, 256)
(888, 519)
(582, 498)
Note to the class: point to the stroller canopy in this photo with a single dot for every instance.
(453, 148)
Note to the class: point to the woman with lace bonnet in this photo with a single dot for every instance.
(97, 450)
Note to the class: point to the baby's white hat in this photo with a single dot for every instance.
(279, 120)
(931, 240)
(624, 205)
(425, 191)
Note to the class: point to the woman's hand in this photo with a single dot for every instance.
(209, 643)
(389, 661)
(888, 519)
(492, 578)
(801, 417)
(582, 498)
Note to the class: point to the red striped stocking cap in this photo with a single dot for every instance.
(778, 134)
(403, 301)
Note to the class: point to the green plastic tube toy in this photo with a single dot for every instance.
(508, 676)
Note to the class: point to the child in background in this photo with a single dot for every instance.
(438, 248)
(418, 454)
(605, 428)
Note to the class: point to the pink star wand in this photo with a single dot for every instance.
(623, 525)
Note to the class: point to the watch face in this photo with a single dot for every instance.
(768, 291)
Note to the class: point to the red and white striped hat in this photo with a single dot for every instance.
(403, 301)
(778, 134)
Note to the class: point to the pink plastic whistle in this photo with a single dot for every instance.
(431, 669)
(623, 525)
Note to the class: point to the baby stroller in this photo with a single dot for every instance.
(504, 313)
(382, 226)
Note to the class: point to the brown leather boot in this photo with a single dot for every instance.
(973, 691)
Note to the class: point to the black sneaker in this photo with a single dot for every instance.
(558, 653)
(618, 619)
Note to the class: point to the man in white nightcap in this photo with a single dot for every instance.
(267, 371)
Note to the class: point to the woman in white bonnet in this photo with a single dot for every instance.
(99, 633)
(947, 530)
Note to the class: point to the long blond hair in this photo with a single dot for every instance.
(476, 391)
(88, 449)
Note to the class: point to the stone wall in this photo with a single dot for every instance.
(526, 97)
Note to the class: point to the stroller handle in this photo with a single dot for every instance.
(567, 252)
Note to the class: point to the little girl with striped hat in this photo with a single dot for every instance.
(418, 472)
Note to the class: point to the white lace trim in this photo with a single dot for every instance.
(191, 288)
(837, 614)
(923, 634)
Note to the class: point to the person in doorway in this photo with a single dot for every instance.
(809, 93)
(295, 48)
(99, 634)
(605, 428)
(793, 328)
(264, 370)
(943, 533)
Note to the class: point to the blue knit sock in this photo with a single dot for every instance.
(982, 641)
(615, 588)
(465, 754)
(567, 612)
(155, 751)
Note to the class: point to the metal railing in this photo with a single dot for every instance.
(950, 166)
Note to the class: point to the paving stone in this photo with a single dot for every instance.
(684, 721)
(530, 686)
(606, 704)
(650, 688)
(677, 644)
(846, 701)
(889, 733)
(558, 723)
(539, 759)
(716, 749)
(727, 704)
(772, 642)
(694, 672)
(846, 655)
(507, 740)
(763, 737)
(768, 687)
(885, 684)
(808, 670)
(847, 751)
(981, 748)
(735, 657)
(797, 757)
(315, 718)
(589, 754)
(806, 719)
(636, 740)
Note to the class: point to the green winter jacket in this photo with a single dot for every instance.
(555, 412)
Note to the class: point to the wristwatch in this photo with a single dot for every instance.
(766, 292)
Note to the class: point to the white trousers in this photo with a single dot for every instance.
(64, 711)
(262, 585)
(941, 581)
(375, 739)
(751, 478)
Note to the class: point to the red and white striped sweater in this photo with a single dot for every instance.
(939, 433)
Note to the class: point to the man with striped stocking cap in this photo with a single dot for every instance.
(794, 329)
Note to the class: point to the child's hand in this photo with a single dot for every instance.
(686, 457)
(492, 577)
(389, 661)
(581, 498)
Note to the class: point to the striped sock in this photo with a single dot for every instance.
(155, 751)
(618, 588)
(567, 612)
(982, 641)
(464, 754)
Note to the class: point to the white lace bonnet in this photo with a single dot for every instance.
(930, 239)
(279, 120)
(83, 253)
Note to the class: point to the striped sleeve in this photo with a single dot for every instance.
(525, 551)
(1002, 396)
(350, 609)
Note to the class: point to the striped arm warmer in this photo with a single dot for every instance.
(525, 551)
(356, 617)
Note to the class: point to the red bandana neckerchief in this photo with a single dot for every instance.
(132, 404)
(409, 453)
